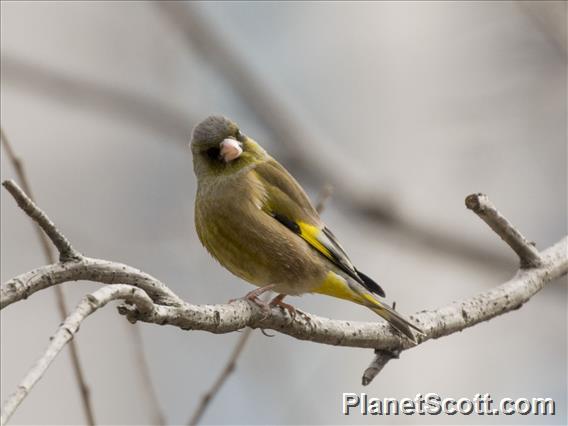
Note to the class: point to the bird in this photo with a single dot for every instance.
(255, 219)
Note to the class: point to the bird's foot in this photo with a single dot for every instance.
(277, 301)
(253, 296)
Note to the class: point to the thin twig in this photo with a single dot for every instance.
(225, 373)
(528, 254)
(65, 333)
(66, 251)
(84, 391)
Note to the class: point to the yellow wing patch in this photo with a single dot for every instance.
(310, 234)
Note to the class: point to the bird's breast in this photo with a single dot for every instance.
(248, 242)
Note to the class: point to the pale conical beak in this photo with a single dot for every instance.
(230, 150)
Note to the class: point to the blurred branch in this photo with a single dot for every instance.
(550, 18)
(323, 198)
(89, 304)
(158, 417)
(312, 159)
(308, 151)
(112, 101)
(84, 391)
(225, 373)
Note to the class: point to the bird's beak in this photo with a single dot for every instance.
(230, 150)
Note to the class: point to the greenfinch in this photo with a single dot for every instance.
(256, 220)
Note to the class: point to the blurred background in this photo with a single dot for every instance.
(405, 108)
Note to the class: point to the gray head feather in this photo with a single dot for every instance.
(213, 130)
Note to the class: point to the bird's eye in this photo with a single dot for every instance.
(240, 136)
(213, 153)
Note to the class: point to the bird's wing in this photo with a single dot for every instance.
(287, 202)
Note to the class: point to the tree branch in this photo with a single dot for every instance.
(65, 333)
(444, 321)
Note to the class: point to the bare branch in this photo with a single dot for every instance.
(65, 333)
(66, 251)
(48, 252)
(480, 204)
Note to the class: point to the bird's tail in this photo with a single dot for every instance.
(337, 286)
(395, 319)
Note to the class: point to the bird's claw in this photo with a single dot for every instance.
(284, 306)
(253, 296)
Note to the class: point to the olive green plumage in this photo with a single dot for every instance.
(256, 220)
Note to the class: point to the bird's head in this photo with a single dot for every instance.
(220, 148)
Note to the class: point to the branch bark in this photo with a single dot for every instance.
(65, 333)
